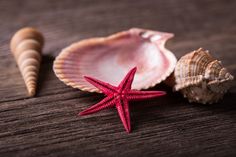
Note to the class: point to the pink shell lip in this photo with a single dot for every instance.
(109, 58)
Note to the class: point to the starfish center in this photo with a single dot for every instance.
(120, 94)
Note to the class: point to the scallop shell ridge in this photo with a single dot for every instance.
(110, 58)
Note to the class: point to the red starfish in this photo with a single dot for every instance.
(119, 97)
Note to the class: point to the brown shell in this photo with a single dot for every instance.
(201, 78)
(26, 46)
(110, 58)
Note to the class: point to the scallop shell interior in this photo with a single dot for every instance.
(110, 58)
(201, 78)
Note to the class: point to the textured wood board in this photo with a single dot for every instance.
(48, 125)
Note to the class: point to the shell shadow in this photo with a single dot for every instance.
(45, 71)
(162, 107)
(225, 104)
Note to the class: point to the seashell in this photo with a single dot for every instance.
(110, 58)
(201, 78)
(26, 46)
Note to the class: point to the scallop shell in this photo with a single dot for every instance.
(26, 46)
(201, 78)
(110, 58)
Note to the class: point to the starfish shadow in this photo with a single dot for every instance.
(148, 111)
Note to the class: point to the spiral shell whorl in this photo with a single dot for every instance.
(201, 78)
(26, 46)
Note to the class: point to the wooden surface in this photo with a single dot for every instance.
(48, 125)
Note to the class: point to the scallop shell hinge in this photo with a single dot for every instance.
(201, 78)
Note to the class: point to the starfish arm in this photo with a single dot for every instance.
(104, 87)
(105, 103)
(142, 95)
(122, 107)
(127, 81)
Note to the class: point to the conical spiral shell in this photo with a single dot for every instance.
(26, 46)
(201, 78)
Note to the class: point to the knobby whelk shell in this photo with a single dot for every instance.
(26, 46)
(201, 78)
(110, 58)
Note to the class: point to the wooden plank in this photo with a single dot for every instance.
(48, 125)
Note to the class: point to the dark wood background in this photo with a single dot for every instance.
(48, 125)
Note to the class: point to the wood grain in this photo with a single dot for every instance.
(48, 125)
